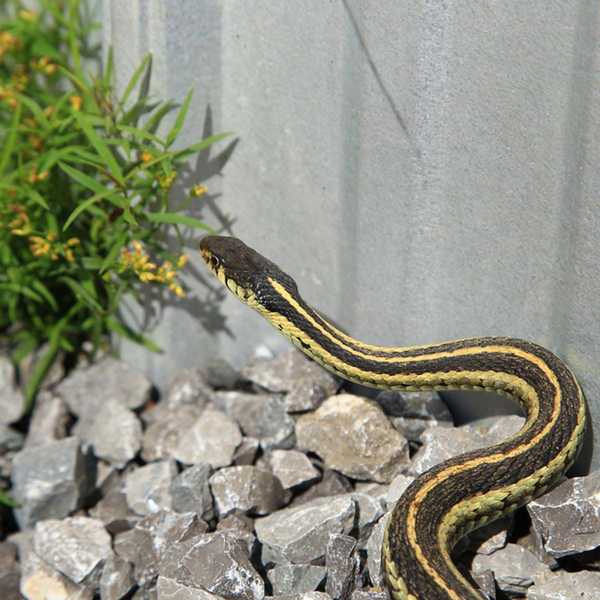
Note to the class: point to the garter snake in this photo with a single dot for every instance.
(468, 491)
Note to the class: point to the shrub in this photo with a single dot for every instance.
(85, 176)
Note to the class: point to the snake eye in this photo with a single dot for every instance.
(214, 262)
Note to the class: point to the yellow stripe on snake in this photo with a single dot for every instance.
(468, 491)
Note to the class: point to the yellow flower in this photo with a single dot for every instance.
(199, 190)
(73, 241)
(28, 15)
(76, 102)
(182, 261)
(177, 290)
(166, 181)
(20, 225)
(69, 255)
(38, 245)
(146, 156)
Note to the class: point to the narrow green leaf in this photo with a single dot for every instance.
(35, 110)
(153, 123)
(103, 150)
(177, 219)
(23, 290)
(84, 180)
(45, 292)
(118, 244)
(37, 198)
(108, 70)
(83, 88)
(199, 146)
(139, 134)
(8, 501)
(124, 331)
(9, 140)
(145, 65)
(179, 120)
(81, 293)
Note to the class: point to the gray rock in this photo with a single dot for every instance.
(372, 594)
(190, 491)
(281, 373)
(148, 489)
(299, 535)
(170, 589)
(262, 416)
(442, 443)
(245, 453)
(292, 468)
(10, 572)
(165, 430)
(114, 432)
(374, 546)
(487, 584)
(353, 436)
(219, 374)
(39, 581)
(155, 536)
(114, 511)
(246, 489)
(212, 438)
(331, 484)
(76, 546)
(397, 487)
(304, 596)
(49, 420)
(216, 562)
(188, 387)
(86, 390)
(242, 527)
(51, 481)
(514, 568)
(11, 440)
(342, 565)
(12, 402)
(369, 510)
(491, 537)
(414, 405)
(55, 373)
(583, 585)
(567, 519)
(296, 579)
(117, 579)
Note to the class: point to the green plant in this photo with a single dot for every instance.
(85, 180)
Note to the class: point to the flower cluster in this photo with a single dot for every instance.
(138, 261)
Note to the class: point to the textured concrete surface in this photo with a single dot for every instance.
(425, 169)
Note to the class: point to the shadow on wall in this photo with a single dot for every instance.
(153, 300)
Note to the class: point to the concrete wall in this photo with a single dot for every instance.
(425, 169)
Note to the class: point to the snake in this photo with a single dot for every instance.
(466, 492)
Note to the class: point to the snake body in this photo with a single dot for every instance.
(468, 491)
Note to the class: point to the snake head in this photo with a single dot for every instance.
(246, 273)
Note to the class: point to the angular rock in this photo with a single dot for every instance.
(369, 510)
(51, 481)
(372, 594)
(155, 536)
(114, 432)
(114, 511)
(292, 468)
(415, 410)
(246, 489)
(262, 416)
(10, 572)
(442, 443)
(308, 393)
(296, 579)
(49, 420)
(374, 546)
(165, 430)
(39, 581)
(190, 491)
(212, 439)
(299, 535)
(78, 547)
(397, 487)
(515, 568)
(86, 390)
(583, 585)
(567, 519)
(117, 578)
(170, 589)
(331, 484)
(148, 489)
(245, 453)
(487, 584)
(242, 527)
(11, 440)
(216, 562)
(188, 387)
(12, 402)
(342, 566)
(219, 374)
(353, 436)
(304, 596)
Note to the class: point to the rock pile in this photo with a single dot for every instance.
(243, 485)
